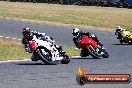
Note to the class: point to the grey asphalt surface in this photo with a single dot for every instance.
(28, 74)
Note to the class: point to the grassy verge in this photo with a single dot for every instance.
(13, 50)
(104, 17)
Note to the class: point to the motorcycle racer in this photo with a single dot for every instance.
(77, 33)
(28, 36)
(79, 40)
(118, 31)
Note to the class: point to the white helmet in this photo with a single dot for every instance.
(75, 31)
(118, 27)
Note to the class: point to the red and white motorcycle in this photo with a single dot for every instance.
(47, 52)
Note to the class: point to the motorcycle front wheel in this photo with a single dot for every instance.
(65, 59)
(105, 55)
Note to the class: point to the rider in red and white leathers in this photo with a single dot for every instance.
(28, 36)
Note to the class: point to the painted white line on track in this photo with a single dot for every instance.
(76, 48)
(1, 36)
(7, 37)
(28, 60)
(19, 39)
(75, 56)
(10, 38)
(14, 60)
(13, 38)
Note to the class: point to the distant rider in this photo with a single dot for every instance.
(119, 29)
(28, 36)
(77, 33)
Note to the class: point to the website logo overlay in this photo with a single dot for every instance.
(82, 78)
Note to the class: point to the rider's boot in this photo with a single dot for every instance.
(33, 58)
(59, 48)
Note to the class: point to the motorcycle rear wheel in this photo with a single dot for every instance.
(93, 52)
(121, 41)
(45, 58)
(83, 53)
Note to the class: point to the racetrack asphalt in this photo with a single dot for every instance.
(28, 74)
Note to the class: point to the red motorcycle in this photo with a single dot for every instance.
(89, 46)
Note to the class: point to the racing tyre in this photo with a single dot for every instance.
(47, 57)
(83, 53)
(65, 59)
(130, 43)
(121, 41)
(93, 52)
(105, 55)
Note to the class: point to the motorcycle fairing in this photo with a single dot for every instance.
(86, 41)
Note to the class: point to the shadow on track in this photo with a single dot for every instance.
(83, 58)
(30, 63)
(121, 44)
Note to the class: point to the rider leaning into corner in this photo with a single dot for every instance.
(77, 33)
(28, 36)
(118, 31)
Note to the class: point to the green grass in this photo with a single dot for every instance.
(13, 50)
(71, 51)
(103, 17)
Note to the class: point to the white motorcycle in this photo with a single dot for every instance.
(47, 52)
